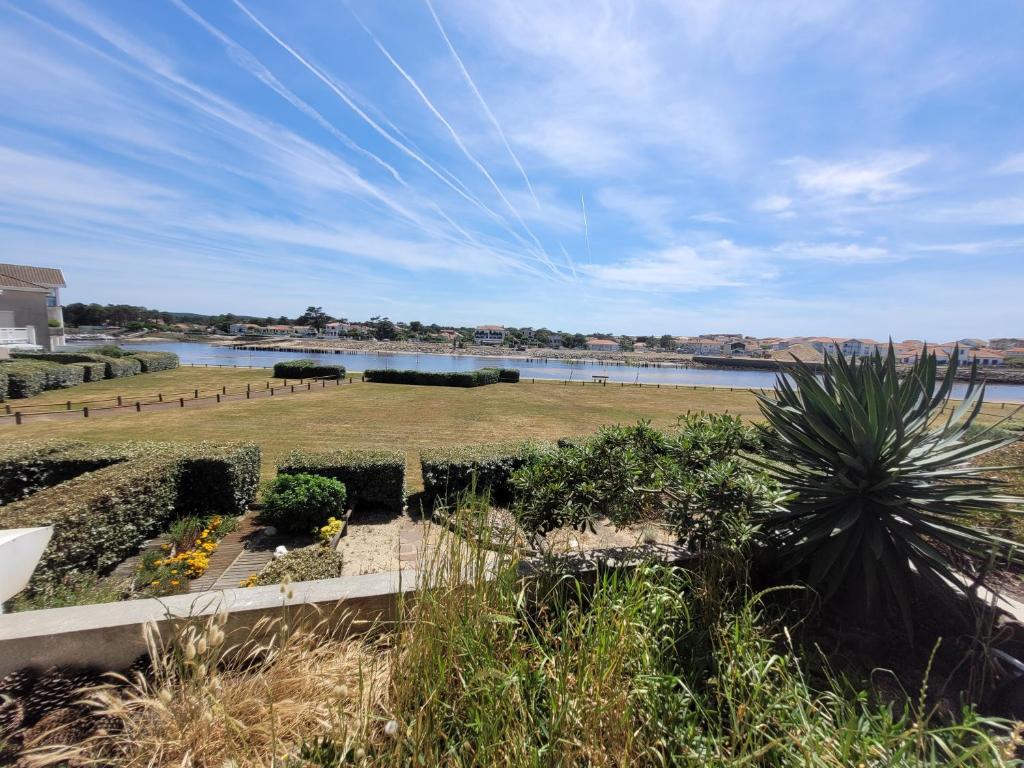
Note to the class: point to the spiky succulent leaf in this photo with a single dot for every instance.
(881, 486)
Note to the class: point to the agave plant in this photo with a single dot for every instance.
(882, 489)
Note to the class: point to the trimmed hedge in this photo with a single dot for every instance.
(307, 369)
(91, 371)
(27, 467)
(3, 384)
(436, 379)
(101, 517)
(506, 375)
(118, 367)
(113, 367)
(152, 362)
(217, 478)
(448, 472)
(98, 518)
(26, 378)
(54, 357)
(371, 477)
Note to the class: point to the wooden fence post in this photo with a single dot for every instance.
(85, 412)
(119, 403)
(271, 391)
(138, 407)
(195, 394)
(17, 417)
(69, 405)
(181, 401)
(159, 397)
(248, 394)
(218, 397)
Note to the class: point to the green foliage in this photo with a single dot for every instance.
(98, 518)
(505, 375)
(217, 478)
(26, 378)
(692, 476)
(118, 367)
(105, 500)
(30, 466)
(449, 472)
(306, 564)
(4, 392)
(307, 369)
(882, 488)
(156, 361)
(302, 503)
(478, 378)
(652, 667)
(108, 350)
(90, 371)
(374, 478)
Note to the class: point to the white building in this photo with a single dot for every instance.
(245, 329)
(489, 335)
(603, 345)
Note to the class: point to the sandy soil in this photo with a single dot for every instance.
(375, 539)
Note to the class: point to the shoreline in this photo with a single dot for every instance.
(668, 360)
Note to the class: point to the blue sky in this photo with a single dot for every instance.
(835, 167)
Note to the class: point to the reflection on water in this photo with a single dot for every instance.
(574, 370)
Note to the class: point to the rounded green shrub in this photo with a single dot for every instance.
(302, 503)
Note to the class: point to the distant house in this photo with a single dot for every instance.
(711, 347)
(603, 345)
(985, 357)
(1014, 353)
(30, 311)
(245, 329)
(489, 335)
(335, 329)
(278, 330)
(640, 346)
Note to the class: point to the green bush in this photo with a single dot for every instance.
(448, 472)
(506, 375)
(375, 478)
(27, 467)
(134, 492)
(151, 362)
(692, 477)
(26, 378)
(114, 366)
(217, 478)
(98, 518)
(307, 369)
(3, 384)
(429, 378)
(118, 367)
(302, 503)
(54, 357)
(107, 350)
(91, 371)
(306, 564)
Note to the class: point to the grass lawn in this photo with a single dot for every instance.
(376, 415)
(174, 383)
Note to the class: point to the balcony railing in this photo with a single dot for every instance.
(10, 337)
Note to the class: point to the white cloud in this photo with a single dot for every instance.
(651, 214)
(998, 212)
(773, 204)
(1013, 164)
(684, 268)
(846, 253)
(875, 179)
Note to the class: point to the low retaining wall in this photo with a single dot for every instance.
(112, 636)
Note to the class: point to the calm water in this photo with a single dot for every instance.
(538, 369)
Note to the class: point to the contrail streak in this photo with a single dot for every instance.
(571, 263)
(483, 102)
(365, 117)
(260, 71)
(586, 229)
(458, 141)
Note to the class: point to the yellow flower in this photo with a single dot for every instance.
(174, 582)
